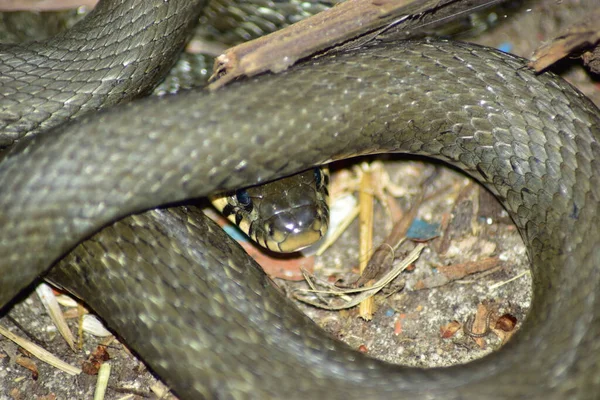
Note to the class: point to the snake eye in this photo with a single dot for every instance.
(318, 177)
(243, 198)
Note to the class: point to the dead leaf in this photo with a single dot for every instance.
(449, 330)
(95, 360)
(506, 323)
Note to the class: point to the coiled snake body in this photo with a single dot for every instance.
(218, 328)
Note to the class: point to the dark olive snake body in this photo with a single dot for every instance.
(201, 314)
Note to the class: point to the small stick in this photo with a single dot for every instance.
(341, 24)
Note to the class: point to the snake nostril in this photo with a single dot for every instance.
(269, 228)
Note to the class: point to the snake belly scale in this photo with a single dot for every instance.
(219, 329)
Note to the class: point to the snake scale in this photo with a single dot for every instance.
(201, 314)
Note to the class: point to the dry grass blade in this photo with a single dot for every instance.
(102, 382)
(40, 353)
(365, 200)
(514, 278)
(364, 293)
(50, 303)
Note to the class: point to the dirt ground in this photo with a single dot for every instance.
(419, 322)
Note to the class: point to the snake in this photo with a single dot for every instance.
(180, 293)
(284, 216)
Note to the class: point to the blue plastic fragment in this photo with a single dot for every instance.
(422, 230)
(505, 47)
(235, 233)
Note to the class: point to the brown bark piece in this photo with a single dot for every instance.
(582, 35)
(592, 60)
(28, 363)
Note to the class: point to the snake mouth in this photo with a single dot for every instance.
(288, 232)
